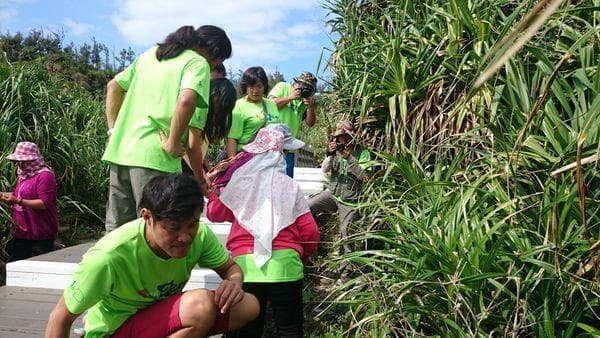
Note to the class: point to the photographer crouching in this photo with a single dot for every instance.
(346, 163)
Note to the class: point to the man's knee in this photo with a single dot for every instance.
(244, 312)
(198, 309)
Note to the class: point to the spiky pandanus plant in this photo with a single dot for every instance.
(475, 227)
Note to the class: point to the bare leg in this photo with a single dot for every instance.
(197, 311)
(243, 312)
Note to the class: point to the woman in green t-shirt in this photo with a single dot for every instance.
(252, 111)
(155, 105)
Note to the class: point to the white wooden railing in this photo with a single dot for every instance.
(39, 273)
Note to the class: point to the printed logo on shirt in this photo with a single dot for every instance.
(76, 293)
(169, 288)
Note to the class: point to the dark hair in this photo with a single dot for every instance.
(174, 197)
(251, 76)
(222, 101)
(220, 68)
(212, 39)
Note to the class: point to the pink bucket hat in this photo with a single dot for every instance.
(266, 140)
(25, 151)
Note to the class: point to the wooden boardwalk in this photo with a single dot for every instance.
(35, 285)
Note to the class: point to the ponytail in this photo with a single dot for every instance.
(212, 39)
(175, 43)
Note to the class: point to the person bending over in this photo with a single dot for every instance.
(131, 281)
(156, 110)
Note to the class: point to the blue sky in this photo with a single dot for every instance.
(289, 35)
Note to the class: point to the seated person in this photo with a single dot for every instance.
(132, 279)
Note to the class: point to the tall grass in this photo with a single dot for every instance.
(68, 125)
(466, 232)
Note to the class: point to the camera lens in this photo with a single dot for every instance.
(305, 91)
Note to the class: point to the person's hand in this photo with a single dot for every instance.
(295, 93)
(331, 147)
(204, 186)
(308, 100)
(175, 151)
(8, 197)
(228, 294)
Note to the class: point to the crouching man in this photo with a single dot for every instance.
(132, 279)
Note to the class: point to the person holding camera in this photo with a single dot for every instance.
(346, 163)
(295, 103)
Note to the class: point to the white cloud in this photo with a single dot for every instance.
(8, 9)
(7, 14)
(262, 32)
(79, 29)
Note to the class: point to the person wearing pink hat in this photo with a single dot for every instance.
(33, 202)
(272, 232)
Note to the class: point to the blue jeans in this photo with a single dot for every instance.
(289, 161)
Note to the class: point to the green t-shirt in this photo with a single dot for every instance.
(247, 118)
(291, 114)
(152, 91)
(284, 266)
(120, 275)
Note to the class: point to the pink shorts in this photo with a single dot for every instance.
(162, 319)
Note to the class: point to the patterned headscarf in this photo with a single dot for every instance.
(29, 160)
(263, 199)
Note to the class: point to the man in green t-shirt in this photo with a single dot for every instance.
(131, 281)
(295, 103)
(154, 107)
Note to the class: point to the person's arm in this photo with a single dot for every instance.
(114, 99)
(60, 321)
(231, 147)
(196, 157)
(184, 109)
(309, 234)
(216, 211)
(328, 161)
(310, 118)
(284, 101)
(230, 290)
(10, 198)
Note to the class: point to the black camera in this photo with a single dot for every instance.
(339, 146)
(306, 90)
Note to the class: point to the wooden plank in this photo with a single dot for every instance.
(307, 170)
(58, 275)
(309, 177)
(24, 312)
(70, 254)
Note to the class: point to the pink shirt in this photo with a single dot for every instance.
(302, 235)
(35, 224)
